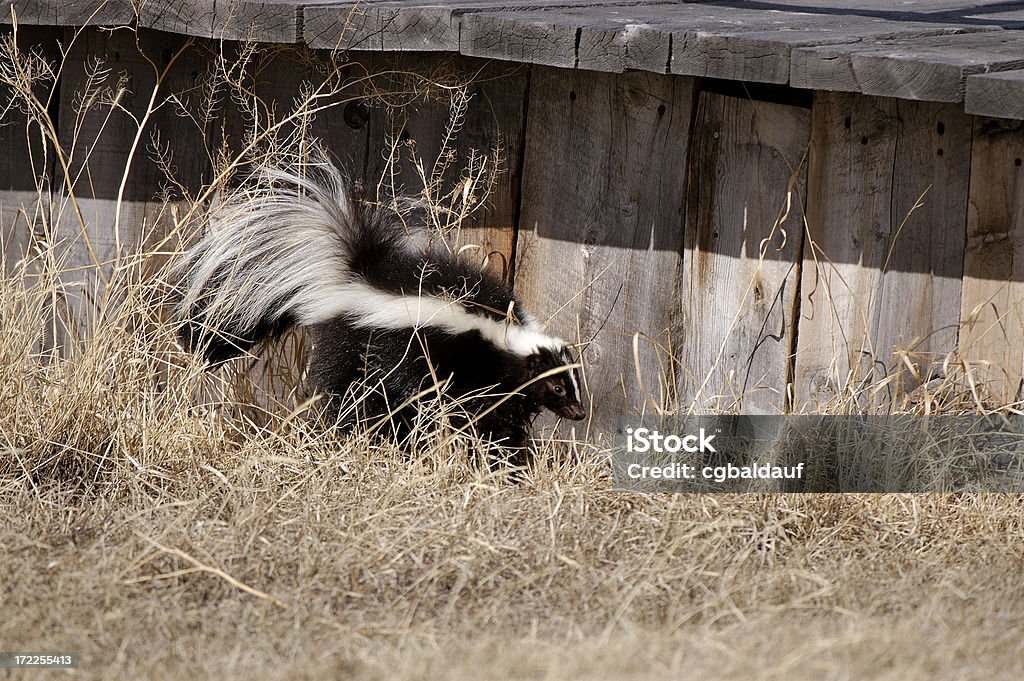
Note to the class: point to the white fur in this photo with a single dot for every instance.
(369, 307)
(575, 386)
(280, 245)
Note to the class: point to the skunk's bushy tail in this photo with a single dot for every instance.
(278, 252)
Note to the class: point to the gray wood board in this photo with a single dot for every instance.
(927, 68)
(761, 50)
(26, 164)
(98, 137)
(405, 25)
(601, 39)
(689, 39)
(268, 21)
(996, 94)
(601, 226)
(906, 10)
(879, 279)
(56, 13)
(394, 26)
(420, 134)
(93, 231)
(741, 264)
(750, 41)
(992, 337)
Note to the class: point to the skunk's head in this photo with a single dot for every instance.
(558, 392)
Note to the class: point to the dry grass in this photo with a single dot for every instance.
(165, 526)
(360, 564)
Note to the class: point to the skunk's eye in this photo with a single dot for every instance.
(558, 390)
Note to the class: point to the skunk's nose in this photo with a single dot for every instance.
(574, 411)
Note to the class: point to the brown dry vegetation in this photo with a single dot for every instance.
(306, 557)
(163, 527)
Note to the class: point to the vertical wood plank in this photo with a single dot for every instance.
(264, 111)
(282, 79)
(20, 216)
(742, 259)
(601, 229)
(99, 138)
(880, 281)
(853, 146)
(24, 169)
(493, 126)
(992, 338)
(917, 319)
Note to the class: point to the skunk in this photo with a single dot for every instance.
(295, 246)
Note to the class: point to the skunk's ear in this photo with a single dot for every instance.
(534, 363)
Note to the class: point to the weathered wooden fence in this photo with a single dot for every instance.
(740, 207)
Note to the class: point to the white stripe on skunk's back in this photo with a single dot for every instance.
(371, 308)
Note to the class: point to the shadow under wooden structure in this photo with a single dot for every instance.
(751, 206)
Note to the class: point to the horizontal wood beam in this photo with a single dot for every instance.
(931, 50)
(275, 21)
(1000, 95)
(929, 68)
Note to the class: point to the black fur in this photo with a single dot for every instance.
(494, 388)
(382, 254)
